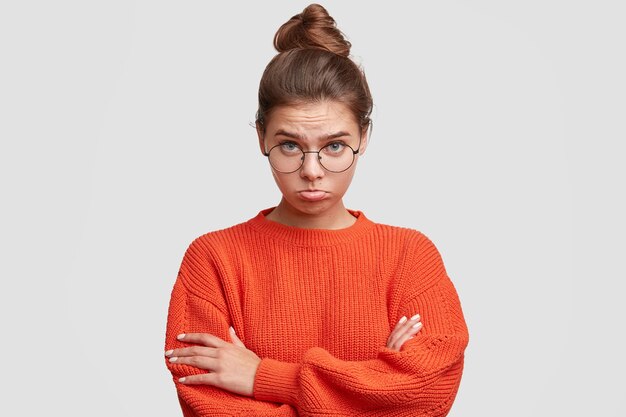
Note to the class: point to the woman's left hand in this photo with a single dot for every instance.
(231, 366)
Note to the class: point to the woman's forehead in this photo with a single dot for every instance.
(312, 121)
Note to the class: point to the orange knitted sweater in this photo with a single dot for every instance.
(317, 306)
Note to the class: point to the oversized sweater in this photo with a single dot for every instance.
(317, 307)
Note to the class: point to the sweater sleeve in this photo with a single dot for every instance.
(197, 305)
(421, 379)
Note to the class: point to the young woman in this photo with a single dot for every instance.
(310, 308)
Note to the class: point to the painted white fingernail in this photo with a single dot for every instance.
(181, 379)
(180, 336)
(173, 359)
(417, 325)
(402, 320)
(169, 352)
(415, 317)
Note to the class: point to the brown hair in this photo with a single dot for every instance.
(312, 65)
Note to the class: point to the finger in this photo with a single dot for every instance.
(396, 330)
(402, 327)
(201, 362)
(407, 327)
(205, 339)
(235, 338)
(192, 351)
(409, 334)
(206, 379)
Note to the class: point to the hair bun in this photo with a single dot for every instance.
(314, 28)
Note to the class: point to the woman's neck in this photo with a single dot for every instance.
(337, 217)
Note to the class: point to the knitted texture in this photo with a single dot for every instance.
(317, 306)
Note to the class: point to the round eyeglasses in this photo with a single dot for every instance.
(288, 157)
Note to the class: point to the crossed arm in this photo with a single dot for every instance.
(232, 367)
(417, 372)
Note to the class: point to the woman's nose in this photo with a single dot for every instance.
(311, 167)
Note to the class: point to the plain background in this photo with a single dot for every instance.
(125, 128)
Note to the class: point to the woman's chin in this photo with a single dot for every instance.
(309, 207)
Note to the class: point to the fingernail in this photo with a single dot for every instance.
(232, 330)
(181, 379)
(169, 352)
(417, 325)
(180, 336)
(415, 317)
(402, 320)
(173, 359)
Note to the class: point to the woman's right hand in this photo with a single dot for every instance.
(404, 330)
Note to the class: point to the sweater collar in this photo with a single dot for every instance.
(311, 237)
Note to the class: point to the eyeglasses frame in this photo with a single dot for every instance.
(319, 158)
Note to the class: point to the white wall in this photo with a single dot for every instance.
(124, 129)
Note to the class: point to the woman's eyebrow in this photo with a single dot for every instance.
(281, 132)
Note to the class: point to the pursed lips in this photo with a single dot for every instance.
(312, 194)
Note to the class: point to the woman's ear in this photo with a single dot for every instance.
(261, 134)
(364, 138)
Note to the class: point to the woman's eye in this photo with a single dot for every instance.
(335, 147)
(289, 146)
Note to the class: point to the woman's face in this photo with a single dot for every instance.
(311, 189)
